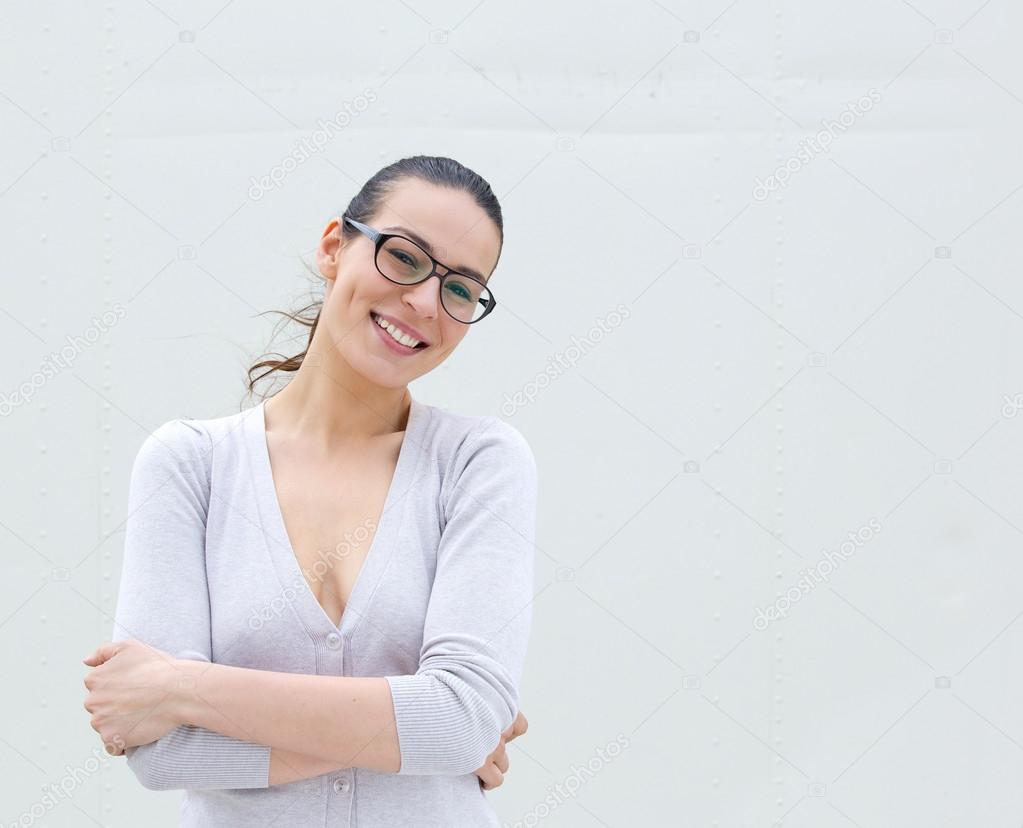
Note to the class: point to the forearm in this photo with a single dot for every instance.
(197, 758)
(287, 766)
(342, 721)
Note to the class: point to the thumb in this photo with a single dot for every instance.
(102, 654)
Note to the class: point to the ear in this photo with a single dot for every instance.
(328, 252)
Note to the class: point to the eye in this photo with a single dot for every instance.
(459, 290)
(403, 257)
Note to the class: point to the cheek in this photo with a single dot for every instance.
(451, 336)
(349, 298)
(357, 286)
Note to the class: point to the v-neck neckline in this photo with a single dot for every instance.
(373, 561)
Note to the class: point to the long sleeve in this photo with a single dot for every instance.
(451, 713)
(163, 600)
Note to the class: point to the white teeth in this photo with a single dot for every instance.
(397, 335)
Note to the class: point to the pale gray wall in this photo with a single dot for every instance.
(781, 371)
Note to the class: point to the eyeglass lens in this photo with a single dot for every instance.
(407, 263)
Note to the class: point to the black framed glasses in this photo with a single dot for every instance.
(404, 262)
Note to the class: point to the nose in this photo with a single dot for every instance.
(424, 297)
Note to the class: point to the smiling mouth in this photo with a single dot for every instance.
(376, 321)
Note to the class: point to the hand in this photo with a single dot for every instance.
(492, 773)
(130, 694)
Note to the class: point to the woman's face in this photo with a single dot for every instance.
(462, 237)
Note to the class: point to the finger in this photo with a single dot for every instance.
(490, 776)
(517, 728)
(499, 758)
(484, 775)
(509, 732)
(102, 654)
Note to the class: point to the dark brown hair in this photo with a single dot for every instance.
(444, 172)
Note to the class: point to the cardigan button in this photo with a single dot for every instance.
(333, 641)
(341, 785)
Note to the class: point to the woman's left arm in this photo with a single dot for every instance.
(448, 716)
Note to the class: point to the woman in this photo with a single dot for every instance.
(325, 599)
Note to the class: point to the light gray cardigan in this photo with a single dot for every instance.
(441, 608)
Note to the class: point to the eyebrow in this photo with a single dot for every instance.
(423, 243)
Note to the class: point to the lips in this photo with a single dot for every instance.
(401, 326)
(390, 341)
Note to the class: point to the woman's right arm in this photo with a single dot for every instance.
(165, 540)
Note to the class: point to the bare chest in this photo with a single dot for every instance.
(331, 508)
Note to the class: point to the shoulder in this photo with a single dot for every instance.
(180, 447)
(191, 441)
(178, 459)
(480, 440)
(491, 461)
(493, 466)
(500, 441)
(182, 435)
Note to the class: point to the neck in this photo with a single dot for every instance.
(330, 410)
